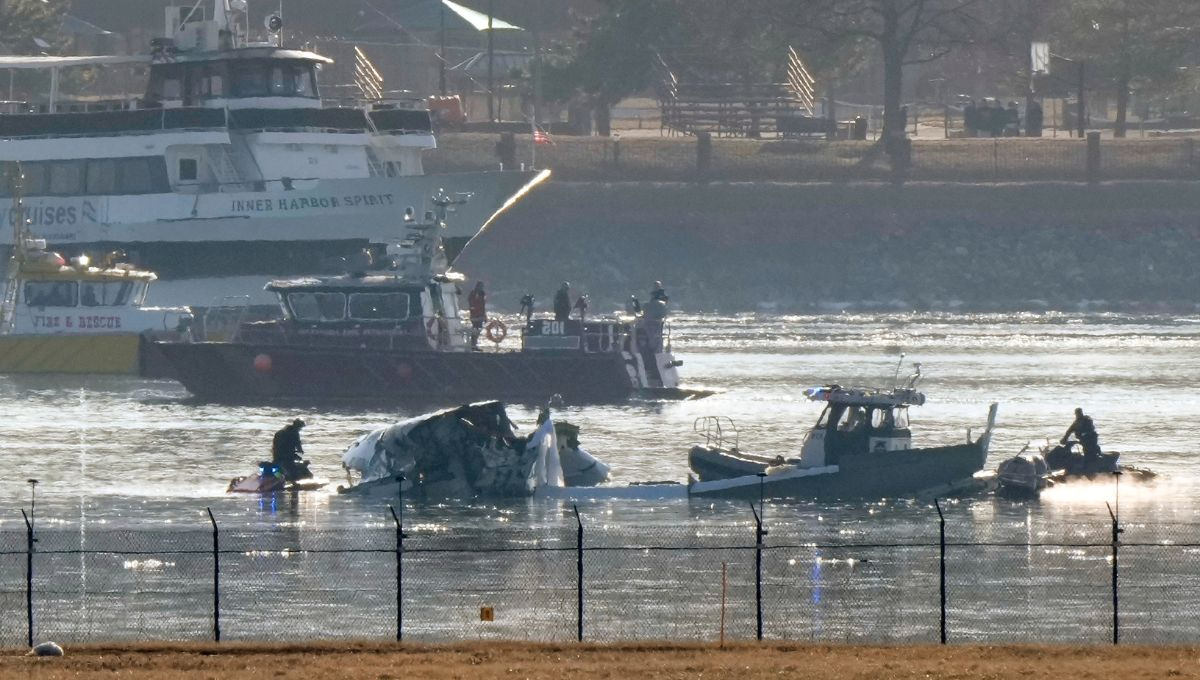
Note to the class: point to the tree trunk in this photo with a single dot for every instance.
(893, 89)
(603, 113)
(1123, 77)
(893, 76)
(1120, 124)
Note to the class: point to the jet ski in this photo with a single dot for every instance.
(270, 479)
(1026, 475)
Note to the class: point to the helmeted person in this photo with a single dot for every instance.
(477, 307)
(1085, 431)
(286, 450)
(654, 314)
(562, 302)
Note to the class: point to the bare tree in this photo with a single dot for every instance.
(905, 31)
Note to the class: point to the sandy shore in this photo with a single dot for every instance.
(483, 661)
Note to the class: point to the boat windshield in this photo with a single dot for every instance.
(51, 293)
(106, 294)
(852, 419)
(379, 306)
(314, 306)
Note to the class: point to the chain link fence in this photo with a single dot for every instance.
(592, 579)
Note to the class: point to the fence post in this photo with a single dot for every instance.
(29, 539)
(400, 559)
(216, 553)
(1116, 542)
(1093, 157)
(579, 576)
(759, 533)
(942, 565)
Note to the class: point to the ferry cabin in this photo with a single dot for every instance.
(225, 131)
(247, 119)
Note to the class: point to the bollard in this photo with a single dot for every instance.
(506, 151)
(579, 576)
(1093, 157)
(216, 554)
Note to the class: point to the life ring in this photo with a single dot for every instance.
(496, 331)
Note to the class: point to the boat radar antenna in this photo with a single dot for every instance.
(443, 201)
(896, 375)
(15, 177)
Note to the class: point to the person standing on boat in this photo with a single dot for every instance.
(286, 450)
(655, 315)
(562, 302)
(477, 306)
(1085, 431)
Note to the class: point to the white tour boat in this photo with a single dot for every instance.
(231, 163)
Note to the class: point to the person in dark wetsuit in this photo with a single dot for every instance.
(477, 305)
(1085, 431)
(286, 450)
(562, 302)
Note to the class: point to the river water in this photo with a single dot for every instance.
(129, 450)
(122, 453)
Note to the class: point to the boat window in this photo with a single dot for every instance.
(189, 169)
(141, 175)
(900, 416)
(317, 306)
(36, 182)
(66, 178)
(171, 88)
(50, 293)
(853, 418)
(106, 294)
(249, 79)
(379, 306)
(823, 421)
(278, 83)
(881, 419)
(102, 176)
(304, 81)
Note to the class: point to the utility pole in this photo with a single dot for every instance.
(491, 47)
(442, 48)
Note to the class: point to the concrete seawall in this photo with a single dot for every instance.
(809, 246)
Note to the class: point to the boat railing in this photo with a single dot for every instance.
(223, 318)
(717, 431)
(112, 123)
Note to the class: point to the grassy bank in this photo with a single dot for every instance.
(670, 159)
(485, 661)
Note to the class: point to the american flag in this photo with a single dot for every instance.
(540, 136)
